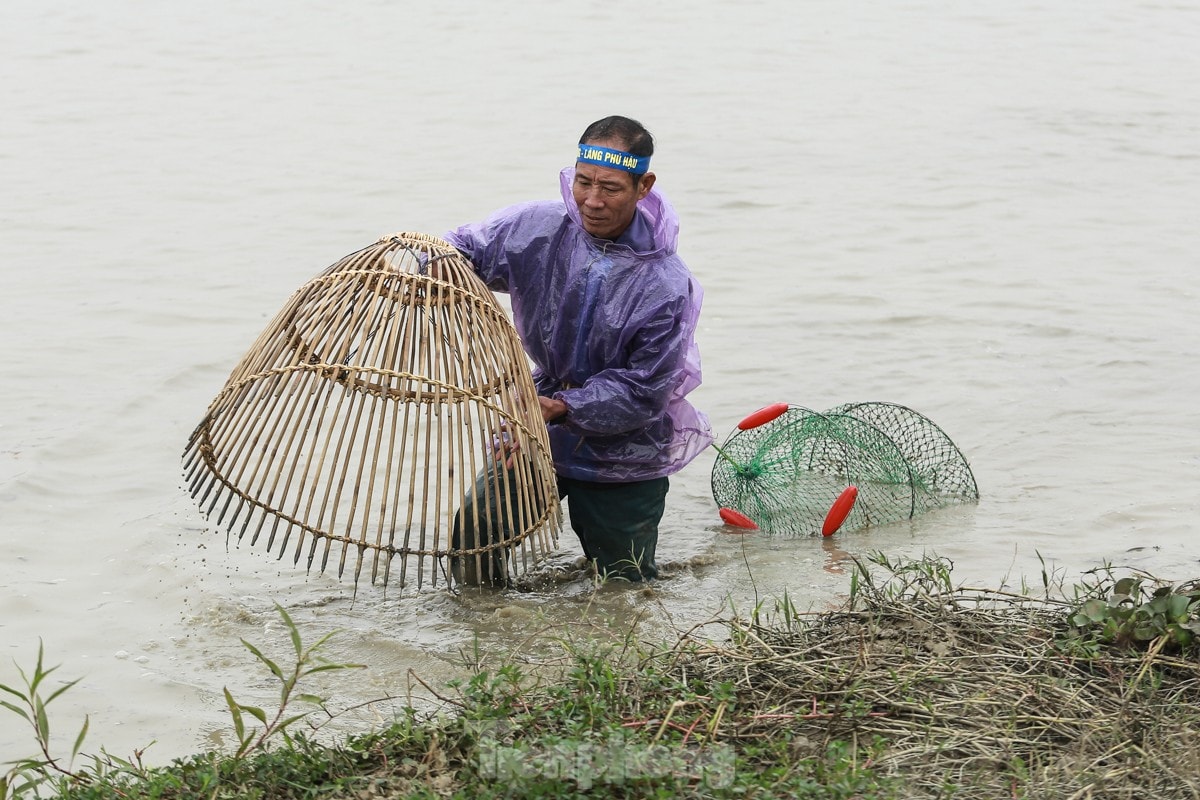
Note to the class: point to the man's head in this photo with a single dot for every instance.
(612, 175)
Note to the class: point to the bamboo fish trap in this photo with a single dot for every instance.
(373, 403)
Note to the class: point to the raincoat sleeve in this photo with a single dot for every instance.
(627, 397)
(492, 245)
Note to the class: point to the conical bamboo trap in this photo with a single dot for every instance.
(357, 422)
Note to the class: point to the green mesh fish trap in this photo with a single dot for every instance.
(788, 469)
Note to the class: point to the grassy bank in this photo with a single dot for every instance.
(915, 688)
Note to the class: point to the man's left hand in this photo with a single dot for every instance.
(552, 410)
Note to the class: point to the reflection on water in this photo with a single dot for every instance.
(985, 215)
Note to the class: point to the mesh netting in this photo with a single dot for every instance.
(785, 474)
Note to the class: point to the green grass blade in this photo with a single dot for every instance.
(255, 712)
(293, 631)
(239, 727)
(330, 667)
(43, 721)
(271, 665)
(61, 689)
(16, 710)
(12, 691)
(78, 739)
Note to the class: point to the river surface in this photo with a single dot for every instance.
(985, 211)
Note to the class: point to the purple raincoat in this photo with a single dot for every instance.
(610, 328)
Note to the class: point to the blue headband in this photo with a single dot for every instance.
(615, 159)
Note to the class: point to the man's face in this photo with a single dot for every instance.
(607, 197)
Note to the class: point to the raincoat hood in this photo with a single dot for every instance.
(655, 226)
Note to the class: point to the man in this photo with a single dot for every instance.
(607, 312)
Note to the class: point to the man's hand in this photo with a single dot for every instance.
(552, 409)
(504, 447)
